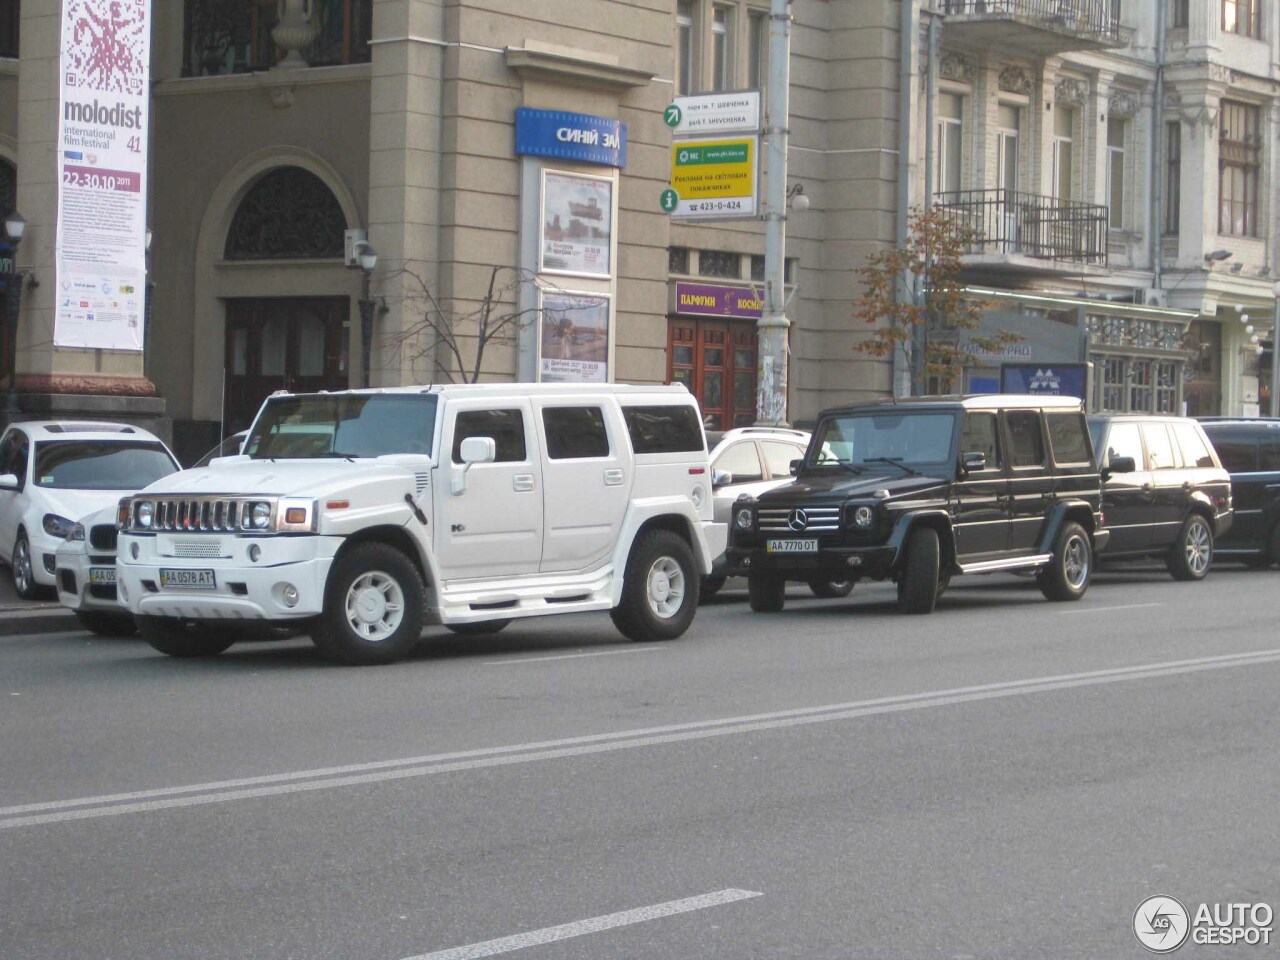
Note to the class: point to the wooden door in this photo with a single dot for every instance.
(716, 360)
(279, 343)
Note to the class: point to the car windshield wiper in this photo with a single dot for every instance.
(336, 455)
(896, 461)
(831, 461)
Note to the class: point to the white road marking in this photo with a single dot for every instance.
(367, 773)
(570, 656)
(1127, 606)
(578, 928)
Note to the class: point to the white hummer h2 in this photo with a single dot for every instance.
(360, 516)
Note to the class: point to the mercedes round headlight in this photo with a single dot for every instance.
(260, 516)
(863, 517)
(742, 519)
(144, 513)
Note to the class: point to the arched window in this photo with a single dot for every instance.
(288, 214)
(8, 187)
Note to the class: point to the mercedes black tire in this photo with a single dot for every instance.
(1191, 555)
(185, 638)
(918, 579)
(372, 608)
(1067, 575)
(766, 592)
(659, 589)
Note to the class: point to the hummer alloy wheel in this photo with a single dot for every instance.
(659, 593)
(373, 606)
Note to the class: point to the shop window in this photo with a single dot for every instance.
(720, 263)
(234, 36)
(288, 213)
(678, 260)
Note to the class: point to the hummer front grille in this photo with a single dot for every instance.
(188, 516)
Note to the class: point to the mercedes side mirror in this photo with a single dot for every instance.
(973, 461)
(795, 467)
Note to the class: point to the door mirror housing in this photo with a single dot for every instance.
(8, 481)
(973, 461)
(795, 466)
(473, 450)
(720, 478)
(1119, 465)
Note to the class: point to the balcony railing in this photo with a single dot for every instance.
(1005, 222)
(1098, 19)
(234, 36)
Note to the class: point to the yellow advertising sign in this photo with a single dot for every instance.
(715, 178)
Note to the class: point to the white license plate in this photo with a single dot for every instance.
(791, 546)
(102, 574)
(188, 579)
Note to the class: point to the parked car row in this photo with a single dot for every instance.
(914, 491)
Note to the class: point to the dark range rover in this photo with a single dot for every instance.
(921, 490)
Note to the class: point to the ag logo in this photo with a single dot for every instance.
(1161, 924)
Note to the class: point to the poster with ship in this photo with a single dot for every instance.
(577, 220)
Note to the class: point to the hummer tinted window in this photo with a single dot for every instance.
(506, 427)
(315, 426)
(664, 429)
(575, 433)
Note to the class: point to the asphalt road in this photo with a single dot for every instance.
(1005, 778)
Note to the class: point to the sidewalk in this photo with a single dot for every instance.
(30, 616)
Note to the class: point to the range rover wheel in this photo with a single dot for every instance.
(372, 607)
(766, 593)
(24, 575)
(477, 629)
(830, 589)
(1192, 553)
(918, 580)
(1067, 575)
(659, 589)
(709, 587)
(184, 638)
(107, 624)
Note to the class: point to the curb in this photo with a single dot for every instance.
(35, 618)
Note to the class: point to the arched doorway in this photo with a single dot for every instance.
(284, 343)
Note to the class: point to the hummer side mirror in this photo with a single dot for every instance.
(472, 451)
(721, 478)
(8, 481)
(973, 461)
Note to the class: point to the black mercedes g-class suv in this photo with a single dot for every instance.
(923, 489)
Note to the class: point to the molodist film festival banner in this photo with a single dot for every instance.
(104, 80)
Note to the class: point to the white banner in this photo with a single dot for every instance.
(104, 83)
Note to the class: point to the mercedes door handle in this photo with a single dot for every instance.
(613, 478)
(522, 482)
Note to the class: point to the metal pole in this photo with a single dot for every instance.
(772, 327)
(366, 329)
(1275, 351)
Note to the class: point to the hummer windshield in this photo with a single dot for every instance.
(862, 441)
(317, 426)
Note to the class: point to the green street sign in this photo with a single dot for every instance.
(672, 115)
(669, 199)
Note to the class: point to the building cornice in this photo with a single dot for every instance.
(573, 66)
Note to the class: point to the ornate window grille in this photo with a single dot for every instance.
(288, 214)
(719, 263)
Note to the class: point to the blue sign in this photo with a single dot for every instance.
(571, 136)
(1052, 379)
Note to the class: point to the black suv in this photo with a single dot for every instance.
(1250, 451)
(1164, 493)
(920, 490)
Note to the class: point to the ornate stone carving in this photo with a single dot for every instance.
(1071, 91)
(83, 384)
(1122, 103)
(955, 66)
(1015, 80)
(288, 214)
(294, 31)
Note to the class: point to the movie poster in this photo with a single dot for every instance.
(103, 81)
(573, 338)
(577, 220)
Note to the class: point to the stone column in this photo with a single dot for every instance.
(59, 382)
(1199, 108)
(404, 173)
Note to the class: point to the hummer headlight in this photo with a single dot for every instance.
(863, 517)
(260, 516)
(143, 513)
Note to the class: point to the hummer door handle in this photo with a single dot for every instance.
(522, 482)
(613, 477)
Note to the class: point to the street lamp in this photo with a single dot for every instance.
(15, 225)
(367, 258)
